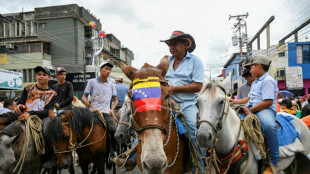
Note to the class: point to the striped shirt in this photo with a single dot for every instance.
(243, 91)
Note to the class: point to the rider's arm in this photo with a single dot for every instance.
(241, 101)
(85, 100)
(262, 105)
(192, 87)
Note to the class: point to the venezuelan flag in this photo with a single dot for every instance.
(146, 94)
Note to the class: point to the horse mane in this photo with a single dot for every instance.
(79, 118)
(211, 87)
(54, 129)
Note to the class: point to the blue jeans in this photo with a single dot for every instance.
(191, 121)
(191, 114)
(267, 119)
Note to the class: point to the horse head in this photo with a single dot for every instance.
(60, 134)
(125, 129)
(212, 105)
(7, 158)
(149, 103)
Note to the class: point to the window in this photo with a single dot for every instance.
(42, 25)
(280, 73)
(303, 54)
(25, 48)
(12, 29)
(18, 28)
(47, 48)
(7, 30)
(38, 47)
(18, 49)
(1, 30)
(281, 54)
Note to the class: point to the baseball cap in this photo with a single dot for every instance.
(304, 98)
(259, 59)
(107, 62)
(42, 68)
(246, 72)
(119, 78)
(60, 69)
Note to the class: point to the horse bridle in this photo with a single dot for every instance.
(224, 114)
(139, 130)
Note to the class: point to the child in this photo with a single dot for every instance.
(262, 102)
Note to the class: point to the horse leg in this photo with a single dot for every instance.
(84, 166)
(100, 165)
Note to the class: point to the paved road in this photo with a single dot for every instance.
(118, 171)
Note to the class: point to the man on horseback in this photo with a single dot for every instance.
(185, 76)
(37, 99)
(64, 90)
(262, 102)
(101, 91)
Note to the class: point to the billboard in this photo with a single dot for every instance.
(293, 77)
(11, 79)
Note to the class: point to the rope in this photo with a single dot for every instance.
(33, 126)
(252, 129)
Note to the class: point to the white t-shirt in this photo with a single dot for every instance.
(100, 94)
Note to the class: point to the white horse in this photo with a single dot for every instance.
(219, 125)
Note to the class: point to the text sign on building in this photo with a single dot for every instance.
(11, 79)
(77, 80)
(293, 77)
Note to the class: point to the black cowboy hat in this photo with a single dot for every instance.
(191, 45)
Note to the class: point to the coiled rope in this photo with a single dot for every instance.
(33, 126)
(252, 128)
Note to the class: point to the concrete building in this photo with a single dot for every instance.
(56, 36)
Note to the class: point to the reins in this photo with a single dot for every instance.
(75, 145)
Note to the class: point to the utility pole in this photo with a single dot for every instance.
(242, 38)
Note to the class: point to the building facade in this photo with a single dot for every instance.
(55, 36)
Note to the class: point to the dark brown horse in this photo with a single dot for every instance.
(160, 149)
(84, 131)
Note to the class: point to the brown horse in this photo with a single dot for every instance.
(160, 149)
(84, 131)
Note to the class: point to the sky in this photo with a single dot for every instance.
(140, 24)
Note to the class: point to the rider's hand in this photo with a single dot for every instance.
(57, 105)
(19, 108)
(87, 105)
(23, 116)
(171, 90)
(246, 110)
(231, 100)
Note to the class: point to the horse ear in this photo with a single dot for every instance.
(163, 65)
(66, 117)
(129, 71)
(11, 141)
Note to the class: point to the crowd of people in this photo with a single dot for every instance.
(185, 77)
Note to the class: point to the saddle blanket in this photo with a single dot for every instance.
(289, 139)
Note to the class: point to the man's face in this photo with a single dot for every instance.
(249, 78)
(12, 106)
(105, 71)
(177, 47)
(42, 77)
(61, 76)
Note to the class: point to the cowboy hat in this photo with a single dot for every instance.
(191, 45)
